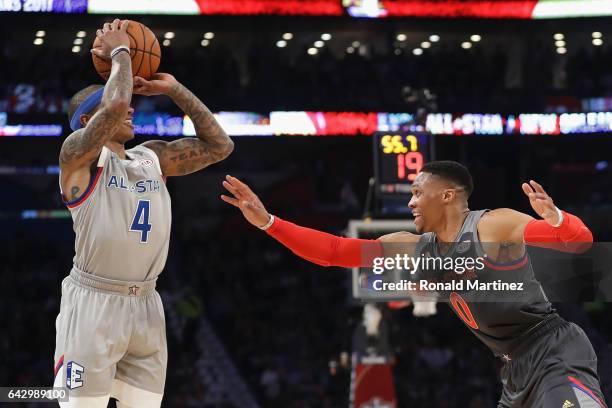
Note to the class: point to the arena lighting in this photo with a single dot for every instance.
(434, 38)
(166, 43)
(356, 44)
(596, 34)
(38, 41)
(81, 34)
(287, 36)
(475, 38)
(209, 35)
(281, 44)
(40, 33)
(466, 45)
(561, 50)
(205, 43)
(559, 43)
(76, 49)
(401, 37)
(312, 51)
(558, 36)
(425, 44)
(417, 51)
(78, 41)
(326, 36)
(350, 50)
(169, 35)
(597, 42)
(319, 44)
(397, 51)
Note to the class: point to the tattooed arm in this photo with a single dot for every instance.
(189, 154)
(82, 148)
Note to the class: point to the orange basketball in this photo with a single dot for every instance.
(144, 51)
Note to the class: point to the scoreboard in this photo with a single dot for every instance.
(398, 158)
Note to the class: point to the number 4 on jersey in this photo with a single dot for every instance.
(141, 220)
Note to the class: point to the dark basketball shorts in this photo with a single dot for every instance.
(558, 370)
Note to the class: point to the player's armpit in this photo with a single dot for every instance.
(187, 155)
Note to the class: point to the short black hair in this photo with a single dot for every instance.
(452, 171)
(79, 97)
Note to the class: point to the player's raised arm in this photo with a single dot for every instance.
(189, 154)
(83, 146)
(554, 227)
(315, 246)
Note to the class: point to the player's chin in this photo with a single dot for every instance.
(126, 132)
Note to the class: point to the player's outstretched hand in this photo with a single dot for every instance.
(541, 202)
(246, 200)
(159, 84)
(112, 35)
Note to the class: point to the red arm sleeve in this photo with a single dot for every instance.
(322, 248)
(572, 233)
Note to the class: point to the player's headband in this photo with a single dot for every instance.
(85, 107)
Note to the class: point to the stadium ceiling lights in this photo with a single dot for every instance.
(38, 41)
(76, 49)
(81, 34)
(417, 51)
(40, 33)
(319, 44)
(425, 44)
(326, 36)
(434, 38)
(209, 35)
(78, 41)
(561, 50)
(401, 37)
(169, 35)
(596, 34)
(475, 37)
(281, 44)
(559, 43)
(166, 43)
(313, 51)
(558, 36)
(597, 42)
(350, 50)
(356, 44)
(205, 43)
(287, 36)
(466, 45)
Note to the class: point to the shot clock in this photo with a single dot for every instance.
(398, 158)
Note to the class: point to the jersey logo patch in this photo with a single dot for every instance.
(567, 404)
(133, 290)
(146, 162)
(74, 373)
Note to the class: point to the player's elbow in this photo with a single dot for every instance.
(225, 149)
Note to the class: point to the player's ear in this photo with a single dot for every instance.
(84, 119)
(448, 195)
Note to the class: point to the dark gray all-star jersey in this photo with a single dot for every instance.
(122, 222)
(501, 319)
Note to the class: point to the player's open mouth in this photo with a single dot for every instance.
(129, 123)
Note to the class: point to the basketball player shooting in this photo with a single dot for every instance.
(548, 362)
(111, 336)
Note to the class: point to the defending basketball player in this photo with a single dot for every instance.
(549, 362)
(111, 336)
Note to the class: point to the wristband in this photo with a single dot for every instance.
(269, 224)
(119, 49)
(560, 214)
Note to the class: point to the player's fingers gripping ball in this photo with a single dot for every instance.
(145, 52)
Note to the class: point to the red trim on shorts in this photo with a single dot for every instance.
(519, 263)
(58, 366)
(90, 189)
(586, 389)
